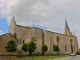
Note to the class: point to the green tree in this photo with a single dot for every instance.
(11, 46)
(44, 49)
(56, 48)
(31, 47)
(25, 47)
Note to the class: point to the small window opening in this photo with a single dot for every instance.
(65, 48)
(23, 41)
(53, 47)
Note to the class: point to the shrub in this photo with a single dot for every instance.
(44, 49)
(25, 47)
(78, 53)
(56, 48)
(31, 47)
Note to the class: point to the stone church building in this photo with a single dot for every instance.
(23, 34)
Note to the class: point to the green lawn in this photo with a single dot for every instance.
(39, 57)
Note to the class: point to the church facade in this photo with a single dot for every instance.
(66, 42)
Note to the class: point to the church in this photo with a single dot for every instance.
(67, 42)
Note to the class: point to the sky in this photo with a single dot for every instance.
(45, 14)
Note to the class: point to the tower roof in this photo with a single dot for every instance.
(13, 20)
(66, 24)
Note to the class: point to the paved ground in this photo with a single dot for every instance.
(68, 58)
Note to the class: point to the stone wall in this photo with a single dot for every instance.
(3, 41)
(64, 41)
(45, 37)
(38, 36)
(47, 40)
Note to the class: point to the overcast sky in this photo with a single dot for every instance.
(45, 14)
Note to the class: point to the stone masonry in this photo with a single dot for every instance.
(66, 42)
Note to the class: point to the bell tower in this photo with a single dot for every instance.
(67, 29)
(12, 26)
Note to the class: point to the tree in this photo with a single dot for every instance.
(44, 49)
(11, 46)
(31, 47)
(56, 48)
(25, 47)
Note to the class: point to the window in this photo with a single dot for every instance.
(14, 35)
(58, 40)
(65, 48)
(17, 40)
(23, 41)
(71, 45)
(53, 47)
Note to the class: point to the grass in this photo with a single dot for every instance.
(39, 57)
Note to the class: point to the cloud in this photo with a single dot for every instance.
(1, 32)
(35, 11)
(47, 13)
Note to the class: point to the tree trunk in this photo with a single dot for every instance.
(58, 52)
(10, 55)
(43, 52)
(25, 53)
(30, 53)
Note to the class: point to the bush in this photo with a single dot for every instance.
(78, 53)
(25, 47)
(56, 48)
(44, 49)
(31, 47)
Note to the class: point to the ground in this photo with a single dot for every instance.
(68, 58)
(36, 57)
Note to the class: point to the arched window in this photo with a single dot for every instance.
(43, 38)
(65, 48)
(23, 41)
(71, 45)
(58, 40)
(53, 47)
